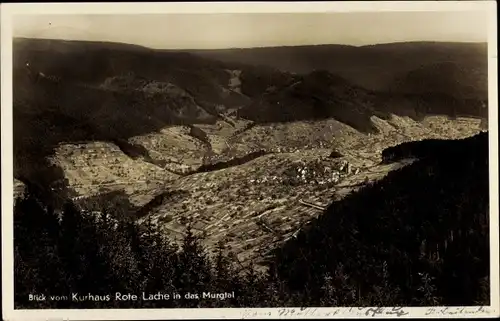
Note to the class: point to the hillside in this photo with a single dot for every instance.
(425, 225)
(71, 91)
(374, 67)
(464, 81)
(274, 167)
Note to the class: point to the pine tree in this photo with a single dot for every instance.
(193, 271)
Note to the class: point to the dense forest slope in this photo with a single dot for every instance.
(419, 234)
(465, 81)
(71, 91)
(321, 94)
(374, 67)
(418, 237)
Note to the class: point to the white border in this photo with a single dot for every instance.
(8, 10)
(243, 7)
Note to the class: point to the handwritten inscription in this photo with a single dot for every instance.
(324, 312)
(444, 311)
(364, 312)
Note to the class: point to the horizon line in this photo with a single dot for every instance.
(255, 47)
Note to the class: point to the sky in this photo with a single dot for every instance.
(243, 30)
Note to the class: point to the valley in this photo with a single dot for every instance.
(257, 205)
(246, 154)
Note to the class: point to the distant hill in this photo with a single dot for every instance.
(462, 80)
(68, 91)
(374, 67)
(284, 97)
(92, 63)
(317, 95)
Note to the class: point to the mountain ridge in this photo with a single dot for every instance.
(371, 66)
(18, 38)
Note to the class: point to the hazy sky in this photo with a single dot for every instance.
(203, 31)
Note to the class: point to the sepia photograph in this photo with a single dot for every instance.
(311, 160)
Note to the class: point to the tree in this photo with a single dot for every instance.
(193, 271)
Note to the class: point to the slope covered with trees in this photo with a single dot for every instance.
(467, 81)
(375, 67)
(417, 237)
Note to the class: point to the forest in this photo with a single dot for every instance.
(418, 237)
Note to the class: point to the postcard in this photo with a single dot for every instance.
(249, 160)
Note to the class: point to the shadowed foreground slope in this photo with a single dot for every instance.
(421, 232)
